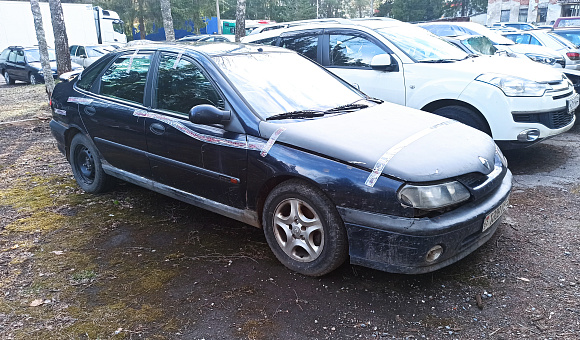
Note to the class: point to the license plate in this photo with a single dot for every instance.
(495, 215)
(573, 103)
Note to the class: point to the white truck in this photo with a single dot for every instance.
(85, 25)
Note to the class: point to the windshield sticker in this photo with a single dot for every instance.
(198, 136)
(83, 101)
(386, 158)
(271, 141)
(60, 112)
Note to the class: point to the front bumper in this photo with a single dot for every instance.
(400, 245)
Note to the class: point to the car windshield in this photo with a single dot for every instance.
(480, 44)
(275, 83)
(33, 56)
(421, 45)
(495, 37)
(98, 51)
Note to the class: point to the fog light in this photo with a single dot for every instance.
(434, 253)
(529, 135)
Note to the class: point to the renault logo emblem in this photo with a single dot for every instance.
(485, 163)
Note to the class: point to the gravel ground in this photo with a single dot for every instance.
(133, 264)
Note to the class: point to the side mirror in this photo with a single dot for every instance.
(83, 56)
(382, 62)
(208, 114)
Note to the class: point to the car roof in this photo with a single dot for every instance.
(210, 49)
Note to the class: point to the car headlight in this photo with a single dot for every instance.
(515, 86)
(41, 72)
(541, 58)
(432, 197)
(501, 157)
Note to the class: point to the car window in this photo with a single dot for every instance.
(12, 57)
(182, 85)
(267, 41)
(33, 56)
(19, 56)
(519, 38)
(4, 54)
(125, 78)
(304, 44)
(480, 44)
(353, 51)
(73, 50)
(96, 52)
(573, 37)
(81, 51)
(88, 77)
(444, 30)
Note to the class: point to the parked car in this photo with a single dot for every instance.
(516, 103)
(524, 26)
(544, 38)
(567, 22)
(86, 55)
(326, 171)
(535, 53)
(23, 63)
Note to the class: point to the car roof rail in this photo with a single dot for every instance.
(16, 46)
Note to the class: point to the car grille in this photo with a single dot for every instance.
(551, 120)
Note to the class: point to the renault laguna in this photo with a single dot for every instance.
(266, 137)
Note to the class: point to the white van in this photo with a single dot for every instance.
(516, 101)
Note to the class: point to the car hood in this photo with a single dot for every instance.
(535, 49)
(361, 138)
(516, 67)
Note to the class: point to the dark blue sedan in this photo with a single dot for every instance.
(264, 136)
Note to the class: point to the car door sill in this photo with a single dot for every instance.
(242, 215)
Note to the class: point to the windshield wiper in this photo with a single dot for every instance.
(347, 107)
(375, 100)
(439, 61)
(297, 114)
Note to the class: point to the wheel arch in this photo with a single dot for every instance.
(68, 136)
(435, 105)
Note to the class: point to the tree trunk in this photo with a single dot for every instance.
(167, 20)
(141, 20)
(240, 20)
(42, 47)
(60, 38)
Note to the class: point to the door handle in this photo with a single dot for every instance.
(157, 128)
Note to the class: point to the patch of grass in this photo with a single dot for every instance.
(257, 329)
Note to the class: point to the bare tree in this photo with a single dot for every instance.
(167, 20)
(42, 47)
(240, 20)
(60, 38)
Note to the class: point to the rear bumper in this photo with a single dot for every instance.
(58, 131)
(400, 245)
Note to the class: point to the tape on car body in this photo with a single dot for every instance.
(60, 112)
(199, 136)
(83, 101)
(177, 60)
(271, 141)
(387, 156)
(131, 61)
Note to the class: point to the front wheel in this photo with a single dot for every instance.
(465, 116)
(32, 79)
(86, 165)
(303, 229)
(8, 79)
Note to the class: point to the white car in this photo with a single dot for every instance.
(86, 55)
(536, 53)
(517, 103)
(550, 40)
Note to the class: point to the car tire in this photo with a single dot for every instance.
(32, 79)
(465, 116)
(7, 78)
(86, 165)
(303, 229)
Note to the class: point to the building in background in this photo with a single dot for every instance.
(536, 11)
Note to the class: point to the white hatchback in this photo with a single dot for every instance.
(516, 101)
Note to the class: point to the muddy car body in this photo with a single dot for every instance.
(275, 141)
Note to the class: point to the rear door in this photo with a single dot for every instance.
(205, 160)
(109, 114)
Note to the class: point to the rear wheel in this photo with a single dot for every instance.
(8, 79)
(303, 229)
(465, 116)
(86, 165)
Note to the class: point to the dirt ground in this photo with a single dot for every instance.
(132, 264)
